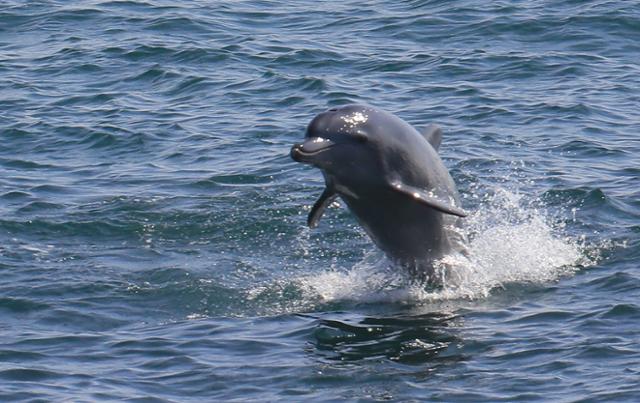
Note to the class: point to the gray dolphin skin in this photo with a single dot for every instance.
(392, 179)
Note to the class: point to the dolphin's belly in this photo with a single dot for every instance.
(406, 231)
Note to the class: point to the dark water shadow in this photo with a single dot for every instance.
(425, 340)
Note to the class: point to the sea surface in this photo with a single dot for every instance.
(153, 239)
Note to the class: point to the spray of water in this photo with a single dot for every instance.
(511, 241)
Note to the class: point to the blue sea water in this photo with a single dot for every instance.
(152, 225)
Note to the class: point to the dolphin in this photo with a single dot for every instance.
(391, 178)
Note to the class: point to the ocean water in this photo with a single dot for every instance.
(153, 244)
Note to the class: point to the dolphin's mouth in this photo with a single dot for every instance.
(313, 146)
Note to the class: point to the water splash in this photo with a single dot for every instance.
(511, 241)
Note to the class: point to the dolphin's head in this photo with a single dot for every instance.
(340, 142)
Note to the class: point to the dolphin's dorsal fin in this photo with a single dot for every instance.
(423, 197)
(326, 198)
(433, 134)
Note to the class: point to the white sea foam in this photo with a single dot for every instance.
(510, 242)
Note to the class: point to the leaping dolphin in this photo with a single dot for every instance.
(392, 179)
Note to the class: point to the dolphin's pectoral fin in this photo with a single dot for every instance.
(423, 197)
(327, 196)
(433, 134)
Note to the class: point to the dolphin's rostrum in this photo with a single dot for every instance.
(392, 179)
